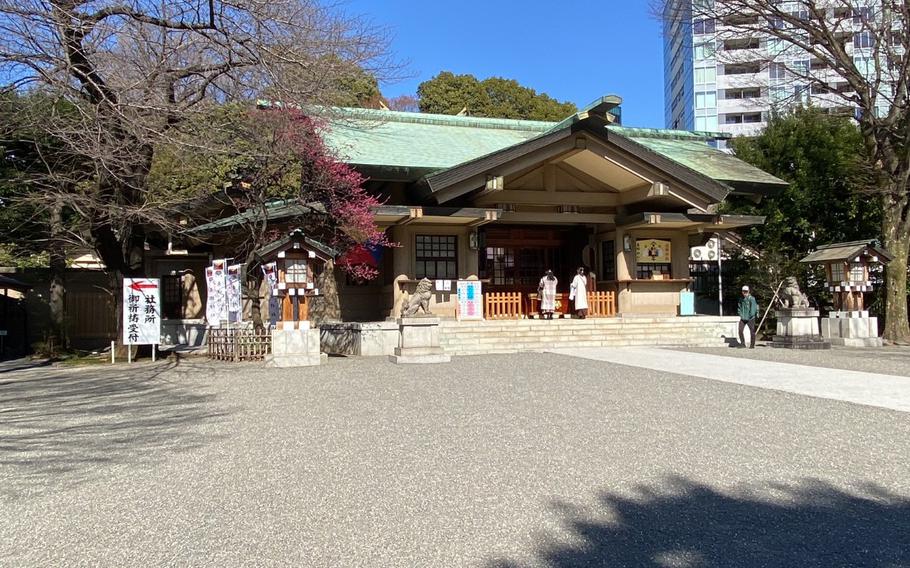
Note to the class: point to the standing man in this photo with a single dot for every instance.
(748, 311)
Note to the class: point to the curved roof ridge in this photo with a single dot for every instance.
(669, 134)
(443, 119)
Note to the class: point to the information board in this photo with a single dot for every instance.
(141, 311)
(470, 300)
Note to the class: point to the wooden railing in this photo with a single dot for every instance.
(233, 344)
(502, 305)
(601, 304)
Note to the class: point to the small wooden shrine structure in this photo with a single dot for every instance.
(847, 270)
(291, 266)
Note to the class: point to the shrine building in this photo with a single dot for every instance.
(503, 201)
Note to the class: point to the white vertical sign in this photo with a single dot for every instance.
(470, 300)
(234, 293)
(216, 309)
(141, 311)
(270, 272)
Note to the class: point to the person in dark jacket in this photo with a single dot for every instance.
(748, 311)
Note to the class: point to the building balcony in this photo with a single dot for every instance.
(742, 80)
(747, 56)
(743, 129)
(739, 106)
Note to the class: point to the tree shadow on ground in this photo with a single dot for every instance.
(58, 428)
(687, 524)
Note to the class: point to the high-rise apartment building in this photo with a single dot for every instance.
(719, 79)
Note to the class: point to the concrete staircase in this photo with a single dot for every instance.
(513, 336)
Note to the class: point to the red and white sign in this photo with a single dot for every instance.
(141, 311)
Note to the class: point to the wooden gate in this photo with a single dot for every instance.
(90, 315)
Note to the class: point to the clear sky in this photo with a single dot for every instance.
(569, 49)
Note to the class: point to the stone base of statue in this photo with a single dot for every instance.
(419, 342)
(797, 328)
(294, 348)
(851, 329)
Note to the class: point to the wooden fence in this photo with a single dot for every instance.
(601, 304)
(234, 344)
(502, 305)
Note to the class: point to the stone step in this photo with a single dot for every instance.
(593, 333)
(544, 349)
(595, 342)
(581, 329)
(556, 337)
(515, 336)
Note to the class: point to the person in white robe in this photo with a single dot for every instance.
(578, 292)
(546, 291)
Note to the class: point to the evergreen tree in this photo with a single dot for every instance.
(821, 156)
(494, 97)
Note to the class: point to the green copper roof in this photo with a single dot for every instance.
(716, 164)
(432, 142)
(413, 140)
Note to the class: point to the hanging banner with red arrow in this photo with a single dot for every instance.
(141, 311)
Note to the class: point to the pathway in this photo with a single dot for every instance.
(871, 389)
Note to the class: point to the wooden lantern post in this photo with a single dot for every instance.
(299, 261)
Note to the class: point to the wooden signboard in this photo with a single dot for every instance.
(652, 251)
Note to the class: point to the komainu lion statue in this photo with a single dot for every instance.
(790, 295)
(419, 299)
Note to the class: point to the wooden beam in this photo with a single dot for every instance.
(585, 178)
(611, 155)
(523, 163)
(532, 197)
(549, 177)
(558, 218)
(489, 216)
(415, 214)
(643, 193)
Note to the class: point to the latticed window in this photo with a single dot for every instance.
(857, 274)
(501, 265)
(838, 273)
(437, 257)
(296, 271)
(172, 296)
(647, 271)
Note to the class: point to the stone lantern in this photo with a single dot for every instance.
(847, 276)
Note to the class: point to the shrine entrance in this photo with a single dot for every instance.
(513, 258)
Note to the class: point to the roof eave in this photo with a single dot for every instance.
(712, 188)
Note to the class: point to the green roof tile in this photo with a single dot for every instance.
(434, 141)
(715, 164)
(437, 142)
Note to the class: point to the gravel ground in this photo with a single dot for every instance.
(495, 461)
(885, 360)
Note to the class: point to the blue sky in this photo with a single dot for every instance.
(569, 49)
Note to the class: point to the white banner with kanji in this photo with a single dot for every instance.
(234, 293)
(141, 311)
(216, 308)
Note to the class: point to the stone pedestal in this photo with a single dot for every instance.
(797, 328)
(853, 329)
(419, 342)
(294, 348)
(366, 339)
